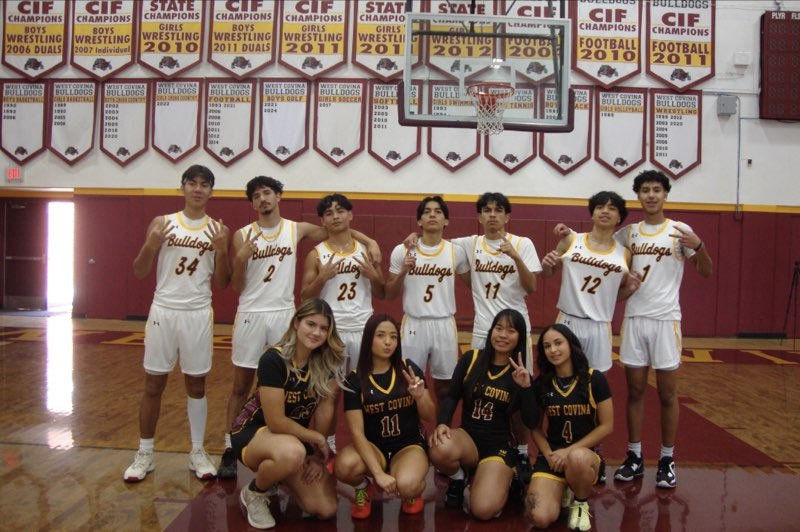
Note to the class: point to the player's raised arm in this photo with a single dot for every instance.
(157, 232)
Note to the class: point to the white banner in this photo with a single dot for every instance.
(125, 118)
(314, 38)
(619, 138)
(171, 36)
(103, 36)
(34, 36)
(676, 130)
(531, 58)
(453, 148)
(511, 150)
(22, 132)
(339, 120)
(285, 105)
(243, 34)
(389, 142)
(176, 117)
(72, 114)
(379, 35)
(229, 106)
(567, 151)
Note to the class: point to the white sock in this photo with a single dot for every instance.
(635, 448)
(667, 451)
(523, 449)
(331, 441)
(228, 444)
(458, 475)
(146, 444)
(198, 413)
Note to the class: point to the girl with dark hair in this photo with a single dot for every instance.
(385, 398)
(576, 400)
(492, 387)
(297, 381)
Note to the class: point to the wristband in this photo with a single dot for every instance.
(699, 247)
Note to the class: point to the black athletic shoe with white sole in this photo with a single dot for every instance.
(665, 477)
(631, 468)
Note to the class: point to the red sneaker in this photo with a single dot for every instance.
(413, 506)
(362, 505)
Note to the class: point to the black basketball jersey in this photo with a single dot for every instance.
(571, 411)
(391, 419)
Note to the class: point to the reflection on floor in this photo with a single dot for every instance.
(69, 394)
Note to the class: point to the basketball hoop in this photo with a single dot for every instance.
(489, 99)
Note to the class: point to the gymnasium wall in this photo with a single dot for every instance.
(742, 198)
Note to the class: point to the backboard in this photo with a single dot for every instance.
(456, 51)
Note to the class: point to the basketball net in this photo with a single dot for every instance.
(490, 100)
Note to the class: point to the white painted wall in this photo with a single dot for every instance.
(771, 179)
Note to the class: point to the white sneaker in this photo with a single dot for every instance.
(201, 464)
(256, 507)
(141, 466)
(579, 516)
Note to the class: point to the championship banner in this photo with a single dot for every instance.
(389, 142)
(230, 109)
(451, 147)
(171, 35)
(531, 58)
(35, 36)
(243, 36)
(458, 56)
(379, 36)
(22, 130)
(511, 150)
(680, 41)
(71, 118)
(620, 131)
(103, 36)
(176, 117)
(567, 151)
(125, 118)
(606, 46)
(285, 108)
(314, 36)
(339, 120)
(675, 130)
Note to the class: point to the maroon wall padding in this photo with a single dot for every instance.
(747, 293)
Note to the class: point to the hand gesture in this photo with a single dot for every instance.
(520, 375)
(686, 237)
(387, 483)
(411, 241)
(367, 268)
(561, 230)
(440, 435)
(158, 234)
(217, 233)
(507, 249)
(248, 248)
(409, 261)
(416, 386)
(374, 252)
(551, 260)
(313, 470)
(327, 270)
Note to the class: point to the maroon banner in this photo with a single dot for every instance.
(125, 117)
(620, 132)
(676, 125)
(339, 119)
(171, 36)
(389, 142)
(681, 42)
(453, 148)
(379, 35)
(512, 150)
(35, 36)
(22, 134)
(243, 36)
(314, 36)
(71, 118)
(606, 46)
(285, 109)
(229, 105)
(176, 117)
(567, 151)
(103, 36)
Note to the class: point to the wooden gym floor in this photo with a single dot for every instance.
(69, 396)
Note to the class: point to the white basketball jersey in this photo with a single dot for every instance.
(495, 279)
(659, 257)
(348, 293)
(429, 287)
(185, 265)
(590, 279)
(270, 274)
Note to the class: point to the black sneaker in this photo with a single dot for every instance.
(601, 472)
(227, 466)
(665, 477)
(524, 469)
(631, 468)
(454, 496)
